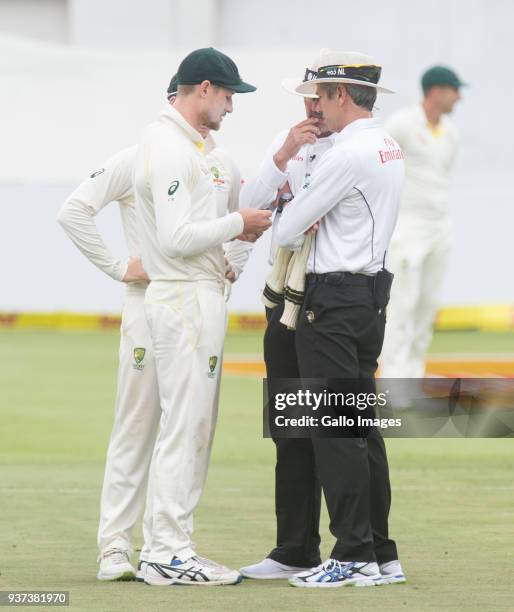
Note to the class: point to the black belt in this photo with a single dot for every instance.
(341, 278)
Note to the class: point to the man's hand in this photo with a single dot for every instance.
(229, 271)
(135, 271)
(248, 237)
(303, 133)
(313, 229)
(255, 221)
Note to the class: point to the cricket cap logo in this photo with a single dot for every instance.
(213, 361)
(139, 355)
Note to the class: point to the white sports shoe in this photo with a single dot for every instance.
(268, 569)
(141, 570)
(196, 571)
(115, 565)
(392, 573)
(334, 573)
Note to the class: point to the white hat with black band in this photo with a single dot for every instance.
(343, 67)
(291, 83)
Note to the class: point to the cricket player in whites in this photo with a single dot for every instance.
(182, 232)
(138, 409)
(419, 249)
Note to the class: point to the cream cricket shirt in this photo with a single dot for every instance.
(181, 224)
(113, 183)
(429, 157)
(110, 183)
(261, 191)
(227, 186)
(355, 192)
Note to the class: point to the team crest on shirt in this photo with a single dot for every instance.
(213, 362)
(217, 177)
(139, 355)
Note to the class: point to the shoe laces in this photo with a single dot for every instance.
(338, 568)
(208, 562)
(116, 555)
(333, 565)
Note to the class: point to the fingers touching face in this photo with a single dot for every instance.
(312, 110)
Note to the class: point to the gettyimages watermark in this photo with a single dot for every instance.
(400, 408)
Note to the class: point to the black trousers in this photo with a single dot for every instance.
(300, 461)
(297, 488)
(341, 337)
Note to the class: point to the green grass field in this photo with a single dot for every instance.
(453, 500)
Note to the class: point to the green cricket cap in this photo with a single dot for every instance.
(173, 86)
(440, 76)
(212, 65)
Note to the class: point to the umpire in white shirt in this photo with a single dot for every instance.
(352, 201)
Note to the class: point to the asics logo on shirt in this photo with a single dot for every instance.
(173, 187)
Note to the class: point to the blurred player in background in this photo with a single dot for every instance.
(419, 249)
(138, 409)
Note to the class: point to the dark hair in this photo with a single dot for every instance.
(362, 95)
(185, 90)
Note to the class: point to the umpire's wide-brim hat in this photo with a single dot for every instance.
(344, 67)
(291, 84)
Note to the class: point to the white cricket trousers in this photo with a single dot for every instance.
(187, 322)
(136, 420)
(418, 260)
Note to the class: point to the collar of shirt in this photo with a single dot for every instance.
(324, 139)
(354, 128)
(172, 115)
